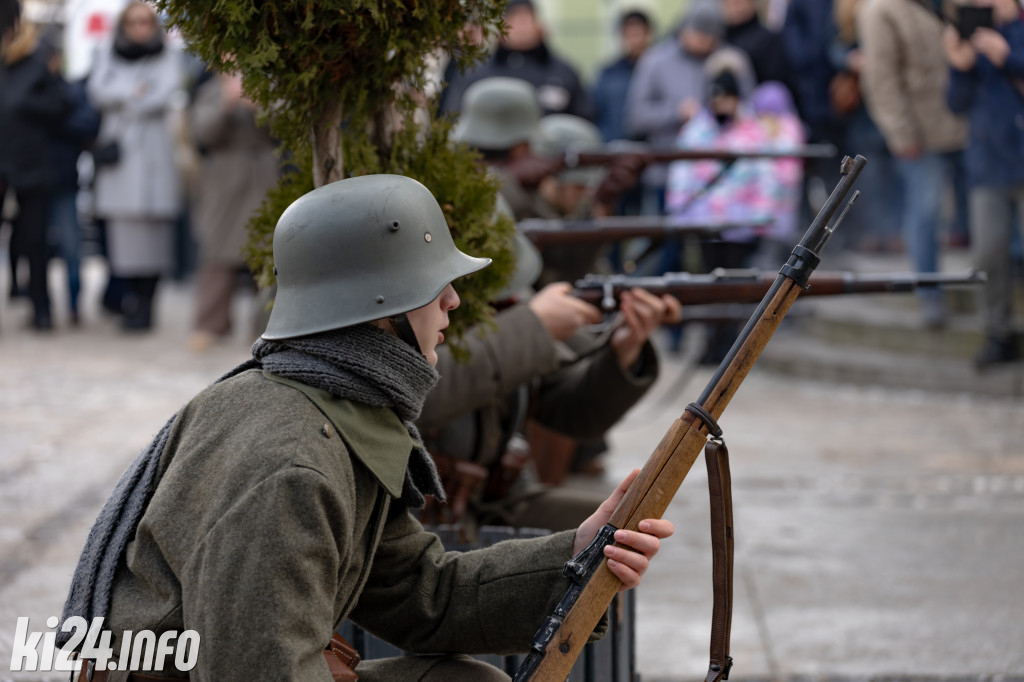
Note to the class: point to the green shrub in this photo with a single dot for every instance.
(357, 66)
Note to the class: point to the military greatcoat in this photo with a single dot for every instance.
(278, 515)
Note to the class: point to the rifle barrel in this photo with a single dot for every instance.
(750, 286)
(557, 232)
(601, 156)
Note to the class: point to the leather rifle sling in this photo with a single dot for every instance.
(716, 456)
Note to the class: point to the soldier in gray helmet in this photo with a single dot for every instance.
(502, 119)
(576, 193)
(537, 360)
(276, 503)
(540, 357)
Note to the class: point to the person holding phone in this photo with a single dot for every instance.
(987, 84)
(903, 80)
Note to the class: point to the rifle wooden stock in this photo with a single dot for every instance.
(562, 232)
(562, 636)
(573, 158)
(750, 286)
(653, 490)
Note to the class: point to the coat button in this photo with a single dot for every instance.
(326, 431)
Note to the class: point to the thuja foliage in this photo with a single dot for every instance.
(452, 172)
(304, 61)
(299, 57)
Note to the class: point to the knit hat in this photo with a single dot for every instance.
(705, 17)
(772, 99)
(724, 85)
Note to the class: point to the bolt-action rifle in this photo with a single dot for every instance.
(750, 286)
(600, 230)
(561, 637)
(602, 156)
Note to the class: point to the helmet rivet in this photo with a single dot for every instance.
(394, 226)
(380, 299)
(427, 237)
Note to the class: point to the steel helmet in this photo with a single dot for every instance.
(559, 132)
(529, 263)
(361, 249)
(497, 114)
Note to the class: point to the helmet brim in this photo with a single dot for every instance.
(286, 325)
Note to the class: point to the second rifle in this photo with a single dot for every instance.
(601, 230)
(750, 286)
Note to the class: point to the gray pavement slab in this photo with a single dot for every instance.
(879, 532)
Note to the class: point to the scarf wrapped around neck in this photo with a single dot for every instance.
(361, 363)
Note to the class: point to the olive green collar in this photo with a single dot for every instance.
(375, 435)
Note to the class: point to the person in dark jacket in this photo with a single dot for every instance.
(612, 86)
(522, 53)
(744, 30)
(78, 131)
(32, 104)
(987, 83)
(806, 38)
(10, 11)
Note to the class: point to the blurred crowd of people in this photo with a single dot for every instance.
(937, 109)
(933, 104)
(168, 142)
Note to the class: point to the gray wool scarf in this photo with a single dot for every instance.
(361, 363)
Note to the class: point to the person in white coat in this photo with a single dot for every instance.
(136, 84)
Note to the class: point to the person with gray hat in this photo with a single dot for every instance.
(669, 86)
(276, 503)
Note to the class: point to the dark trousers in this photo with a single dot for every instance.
(215, 286)
(723, 254)
(28, 240)
(67, 237)
(137, 304)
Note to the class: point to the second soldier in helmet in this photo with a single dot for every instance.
(539, 362)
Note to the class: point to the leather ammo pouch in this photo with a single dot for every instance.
(342, 658)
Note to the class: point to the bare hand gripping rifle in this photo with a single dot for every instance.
(562, 636)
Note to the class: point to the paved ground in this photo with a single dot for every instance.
(880, 533)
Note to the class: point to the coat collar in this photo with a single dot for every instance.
(540, 54)
(374, 435)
